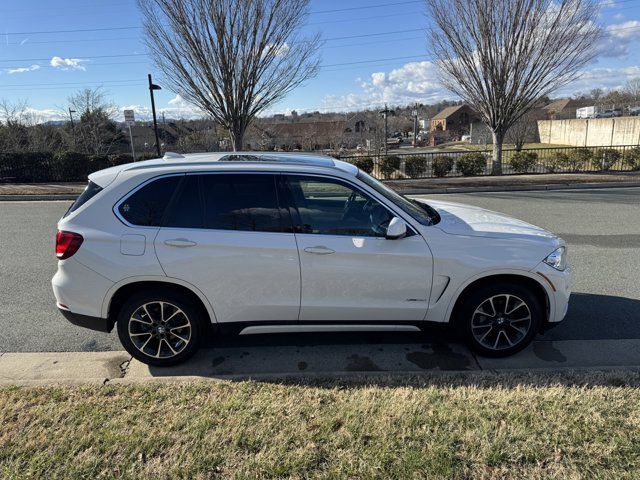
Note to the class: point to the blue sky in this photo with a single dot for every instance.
(43, 58)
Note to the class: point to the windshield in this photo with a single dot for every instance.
(418, 211)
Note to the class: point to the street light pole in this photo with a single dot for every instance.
(153, 87)
(385, 113)
(73, 127)
(415, 126)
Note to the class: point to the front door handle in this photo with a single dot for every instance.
(319, 250)
(180, 242)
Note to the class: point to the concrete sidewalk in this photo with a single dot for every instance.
(551, 181)
(273, 362)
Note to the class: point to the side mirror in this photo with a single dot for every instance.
(396, 229)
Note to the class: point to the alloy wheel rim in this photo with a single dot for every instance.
(159, 329)
(501, 321)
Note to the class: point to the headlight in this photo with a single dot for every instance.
(557, 259)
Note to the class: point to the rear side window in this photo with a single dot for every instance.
(90, 191)
(186, 210)
(146, 206)
(245, 202)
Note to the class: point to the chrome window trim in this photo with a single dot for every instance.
(355, 184)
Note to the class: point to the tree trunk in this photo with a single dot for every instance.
(237, 138)
(498, 138)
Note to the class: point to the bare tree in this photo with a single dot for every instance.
(13, 125)
(632, 89)
(231, 58)
(95, 131)
(523, 130)
(501, 56)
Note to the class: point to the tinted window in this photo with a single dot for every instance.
(91, 191)
(241, 202)
(329, 207)
(146, 206)
(419, 211)
(186, 209)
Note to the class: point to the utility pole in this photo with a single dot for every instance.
(415, 126)
(153, 87)
(73, 126)
(385, 113)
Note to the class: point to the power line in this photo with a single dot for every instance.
(68, 83)
(367, 7)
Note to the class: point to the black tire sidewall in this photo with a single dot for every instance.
(475, 298)
(136, 301)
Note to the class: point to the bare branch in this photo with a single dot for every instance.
(231, 58)
(502, 56)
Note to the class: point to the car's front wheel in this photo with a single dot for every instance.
(160, 329)
(500, 320)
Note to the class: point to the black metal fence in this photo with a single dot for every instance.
(70, 166)
(447, 163)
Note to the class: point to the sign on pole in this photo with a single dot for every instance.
(130, 120)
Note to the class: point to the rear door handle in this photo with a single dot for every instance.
(180, 242)
(319, 250)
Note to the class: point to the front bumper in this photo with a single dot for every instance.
(86, 321)
(558, 286)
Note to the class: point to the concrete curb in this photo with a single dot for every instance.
(520, 188)
(417, 191)
(271, 363)
(37, 198)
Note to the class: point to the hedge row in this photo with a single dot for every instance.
(61, 167)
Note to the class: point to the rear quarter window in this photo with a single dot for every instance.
(146, 206)
(89, 192)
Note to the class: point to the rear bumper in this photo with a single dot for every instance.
(86, 321)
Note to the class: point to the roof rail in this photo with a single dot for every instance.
(172, 156)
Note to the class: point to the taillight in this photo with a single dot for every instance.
(67, 243)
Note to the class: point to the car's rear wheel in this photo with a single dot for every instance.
(160, 328)
(500, 320)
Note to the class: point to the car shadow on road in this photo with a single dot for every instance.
(389, 355)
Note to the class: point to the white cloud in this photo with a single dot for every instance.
(413, 82)
(605, 78)
(178, 108)
(618, 38)
(68, 63)
(23, 69)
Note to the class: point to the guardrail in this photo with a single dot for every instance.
(478, 163)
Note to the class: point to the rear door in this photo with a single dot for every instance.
(226, 234)
(350, 271)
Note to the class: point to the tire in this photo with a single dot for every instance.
(157, 343)
(503, 330)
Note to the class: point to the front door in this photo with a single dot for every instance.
(350, 271)
(225, 234)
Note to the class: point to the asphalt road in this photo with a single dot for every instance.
(602, 228)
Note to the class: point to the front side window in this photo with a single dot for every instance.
(419, 211)
(245, 202)
(146, 206)
(329, 207)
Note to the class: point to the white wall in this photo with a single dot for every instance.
(592, 132)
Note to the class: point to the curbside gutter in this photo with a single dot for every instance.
(520, 188)
(417, 191)
(117, 367)
(38, 198)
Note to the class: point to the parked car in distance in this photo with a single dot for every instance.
(169, 250)
(609, 114)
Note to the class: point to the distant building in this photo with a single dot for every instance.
(562, 109)
(455, 120)
(306, 135)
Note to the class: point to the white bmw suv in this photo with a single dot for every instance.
(167, 249)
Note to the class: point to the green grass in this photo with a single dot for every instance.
(495, 426)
